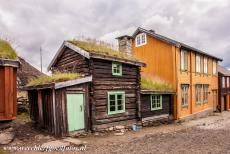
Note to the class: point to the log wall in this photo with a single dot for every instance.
(146, 106)
(71, 61)
(104, 82)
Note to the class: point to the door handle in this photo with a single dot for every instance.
(81, 108)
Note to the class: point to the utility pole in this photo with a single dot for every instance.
(41, 57)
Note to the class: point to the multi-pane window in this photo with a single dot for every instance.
(198, 93)
(184, 95)
(156, 102)
(214, 67)
(205, 65)
(198, 64)
(116, 102)
(205, 93)
(141, 39)
(184, 60)
(228, 85)
(223, 82)
(117, 69)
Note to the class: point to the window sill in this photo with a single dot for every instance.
(156, 109)
(198, 104)
(118, 112)
(184, 106)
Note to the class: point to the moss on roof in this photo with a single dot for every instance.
(154, 83)
(56, 77)
(6, 51)
(102, 49)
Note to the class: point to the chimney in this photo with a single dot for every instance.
(152, 31)
(125, 44)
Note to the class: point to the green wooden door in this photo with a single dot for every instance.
(75, 112)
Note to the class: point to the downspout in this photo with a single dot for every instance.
(54, 111)
(191, 86)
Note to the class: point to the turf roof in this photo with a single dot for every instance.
(56, 77)
(6, 51)
(102, 49)
(155, 84)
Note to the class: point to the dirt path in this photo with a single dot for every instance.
(206, 135)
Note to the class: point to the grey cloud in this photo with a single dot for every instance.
(34, 23)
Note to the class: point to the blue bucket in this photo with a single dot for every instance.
(135, 127)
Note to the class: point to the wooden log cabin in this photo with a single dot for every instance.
(108, 94)
(8, 76)
(224, 89)
(156, 106)
(192, 72)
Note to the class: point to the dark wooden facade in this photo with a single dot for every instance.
(153, 115)
(224, 89)
(8, 91)
(48, 107)
(99, 68)
(103, 82)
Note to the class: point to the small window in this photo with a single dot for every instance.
(198, 93)
(205, 93)
(205, 65)
(156, 102)
(141, 39)
(223, 82)
(116, 102)
(198, 64)
(184, 60)
(228, 82)
(184, 95)
(117, 69)
(214, 67)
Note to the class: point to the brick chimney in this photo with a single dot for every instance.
(125, 44)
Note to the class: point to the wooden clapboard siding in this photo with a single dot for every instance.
(70, 61)
(158, 56)
(104, 82)
(8, 92)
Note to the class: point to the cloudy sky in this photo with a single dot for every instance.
(31, 24)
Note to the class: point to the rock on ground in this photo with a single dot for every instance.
(6, 137)
(55, 144)
(74, 141)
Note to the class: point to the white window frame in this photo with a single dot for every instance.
(228, 78)
(205, 88)
(185, 95)
(198, 64)
(141, 39)
(223, 82)
(214, 67)
(184, 60)
(205, 65)
(198, 92)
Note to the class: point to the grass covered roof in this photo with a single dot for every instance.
(6, 50)
(155, 84)
(102, 49)
(56, 77)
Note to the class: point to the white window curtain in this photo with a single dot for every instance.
(197, 63)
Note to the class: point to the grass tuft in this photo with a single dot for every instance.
(154, 83)
(6, 51)
(101, 48)
(56, 77)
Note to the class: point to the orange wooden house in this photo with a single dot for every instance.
(192, 73)
(8, 77)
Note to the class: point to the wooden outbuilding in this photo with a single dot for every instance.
(156, 106)
(224, 89)
(107, 95)
(8, 90)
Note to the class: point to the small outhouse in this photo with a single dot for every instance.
(8, 77)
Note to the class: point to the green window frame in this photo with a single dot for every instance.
(116, 69)
(156, 102)
(116, 102)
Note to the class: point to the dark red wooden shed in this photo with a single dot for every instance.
(8, 91)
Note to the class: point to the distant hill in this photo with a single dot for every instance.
(26, 72)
